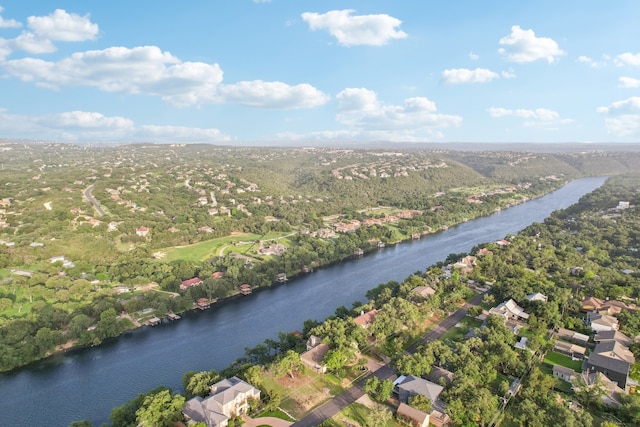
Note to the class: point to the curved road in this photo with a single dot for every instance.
(349, 396)
(87, 194)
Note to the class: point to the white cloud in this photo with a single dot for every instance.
(591, 62)
(272, 95)
(508, 74)
(349, 30)
(473, 56)
(93, 126)
(63, 26)
(628, 58)
(540, 117)
(8, 23)
(523, 46)
(31, 43)
(623, 117)
(629, 82)
(146, 70)
(464, 75)
(360, 109)
(262, 1)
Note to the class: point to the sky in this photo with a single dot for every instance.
(302, 71)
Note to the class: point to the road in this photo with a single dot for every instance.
(94, 202)
(349, 396)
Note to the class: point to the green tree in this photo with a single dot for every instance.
(420, 402)
(162, 409)
(288, 364)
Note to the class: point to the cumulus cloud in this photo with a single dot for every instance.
(359, 108)
(523, 46)
(628, 58)
(272, 95)
(473, 56)
(538, 117)
(93, 126)
(464, 75)
(45, 30)
(63, 26)
(8, 23)
(353, 30)
(508, 74)
(147, 70)
(623, 117)
(629, 82)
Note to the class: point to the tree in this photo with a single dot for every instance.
(420, 402)
(378, 415)
(199, 384)
(162, 409)
(288, 364)
(335, 359)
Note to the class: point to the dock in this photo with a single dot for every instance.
(153, 321)
(173, 316)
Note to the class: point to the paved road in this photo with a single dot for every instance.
(346, 398)
(94, 202)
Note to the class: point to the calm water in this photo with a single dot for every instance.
(87, 384)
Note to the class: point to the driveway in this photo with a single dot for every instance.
(265, 421)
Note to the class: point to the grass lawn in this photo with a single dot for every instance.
(457, 333)
(554, 358)
(359, 413)
(276, 414)
(4, 273)
(239, 243)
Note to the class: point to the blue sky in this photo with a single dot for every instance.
(281, 71)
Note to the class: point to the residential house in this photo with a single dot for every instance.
(314, 357)
(568, 349)
(466, 264)
(613, 359)
(509, 310)
(612, 307)
(365, 319)
(606, 336)
(592, 304)
(566, 374)
(424, 291)
(612, 392)
(601, 322)
(537, 296)
(313, 342)
(574, 336)
(142, 231)
(191, 282)
(407, 386)
(414, 416)
(228, 398)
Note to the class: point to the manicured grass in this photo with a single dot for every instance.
(4, 273)
(359, 413)
(456, 334)
(239, 243)
(276, 414)
(554, 358)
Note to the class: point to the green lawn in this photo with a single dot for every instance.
(4, 273)
(359, 413)
(554, 358)
(456, 334)
(276, 414)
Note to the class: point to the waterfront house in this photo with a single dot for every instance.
(365, 319)
(228, 398)
(191, 282)
(314, 358)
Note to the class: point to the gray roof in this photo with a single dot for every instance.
(563, 370)
(612, 356)
(414, 385)
(613, 336)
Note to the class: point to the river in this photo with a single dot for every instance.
(88, 383)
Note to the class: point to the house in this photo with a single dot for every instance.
(613, 359)
(570, 335)
(612, 307)
(591, 304)
(424, 291)
(414, 416)
(191, 282)
(572, 350)
(411, 386)
(566, 374)
(537, 297)
(217, 275)
(466, 264)
(314, 358)
(522, 344)
(509, 310)
(612, 392)
(142, 231)
(601, 322)
(313, 342)
(365, 319)
(484, 251)
(503, 242)
(606, 336)
(228, 398)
